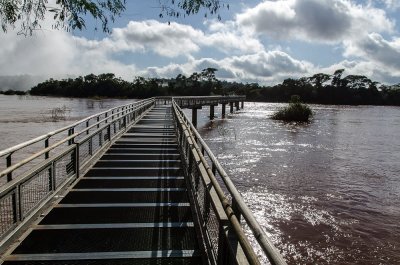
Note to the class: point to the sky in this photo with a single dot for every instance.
(255, 41)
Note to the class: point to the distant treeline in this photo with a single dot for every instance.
(13, 92)
(319, 88)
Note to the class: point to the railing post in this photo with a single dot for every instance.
(46, 156)
(190, 158)
(71, 132)
(77, 164)
(16, 205)
(194, 117)
(109, 132)
(222, 255)
(8, 164)
(213, 169)
(46, 144)
(53, 175)
(100, 138)
(91, 146)
(236, 210)
(87, 126)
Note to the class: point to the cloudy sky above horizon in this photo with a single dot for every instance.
(256, 41)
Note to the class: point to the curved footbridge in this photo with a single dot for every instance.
(132, 185)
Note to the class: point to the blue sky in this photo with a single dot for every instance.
(256, 41)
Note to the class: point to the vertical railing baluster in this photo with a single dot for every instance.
(236, 210)
(91, 146)
(109, 132)
(54, 175)
(222, 255)
(190, 159)
(213, 168)
(100, 138)
(46, 145)
(14, 202)
(71, 132)
(8, 164)
(77, 172)
(18, 204)
(87, 126)
(46, 156)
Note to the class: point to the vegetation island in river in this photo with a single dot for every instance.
(320, 88)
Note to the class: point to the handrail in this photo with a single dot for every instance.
(64, 140)
(244, 242)
(46, 177)
(214, 99)
(15, 148)
(236, 97)
(76, 157)
(267, 246)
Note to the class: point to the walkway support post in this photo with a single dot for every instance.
(231, 106)
(212, 112)
(194, 116)
(242, 105)
(237, 105)
(223, 110)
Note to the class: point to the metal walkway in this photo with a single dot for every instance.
(132, 207)
(135, 184)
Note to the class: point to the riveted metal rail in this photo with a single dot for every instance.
(143, 190)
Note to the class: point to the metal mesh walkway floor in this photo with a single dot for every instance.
(132, 207)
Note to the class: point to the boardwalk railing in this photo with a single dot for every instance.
(218, 216)
(61, 156)
(191, 102)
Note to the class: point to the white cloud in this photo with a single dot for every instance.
(54, 54)
(370, 69)
(358, 29)
(326, 21)
(166, 40)
(374, 47)
(171, 40)
(392, 4)
(265, 67)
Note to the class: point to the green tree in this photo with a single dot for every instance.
(70, 14)
(319, 79)
(337, 78)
